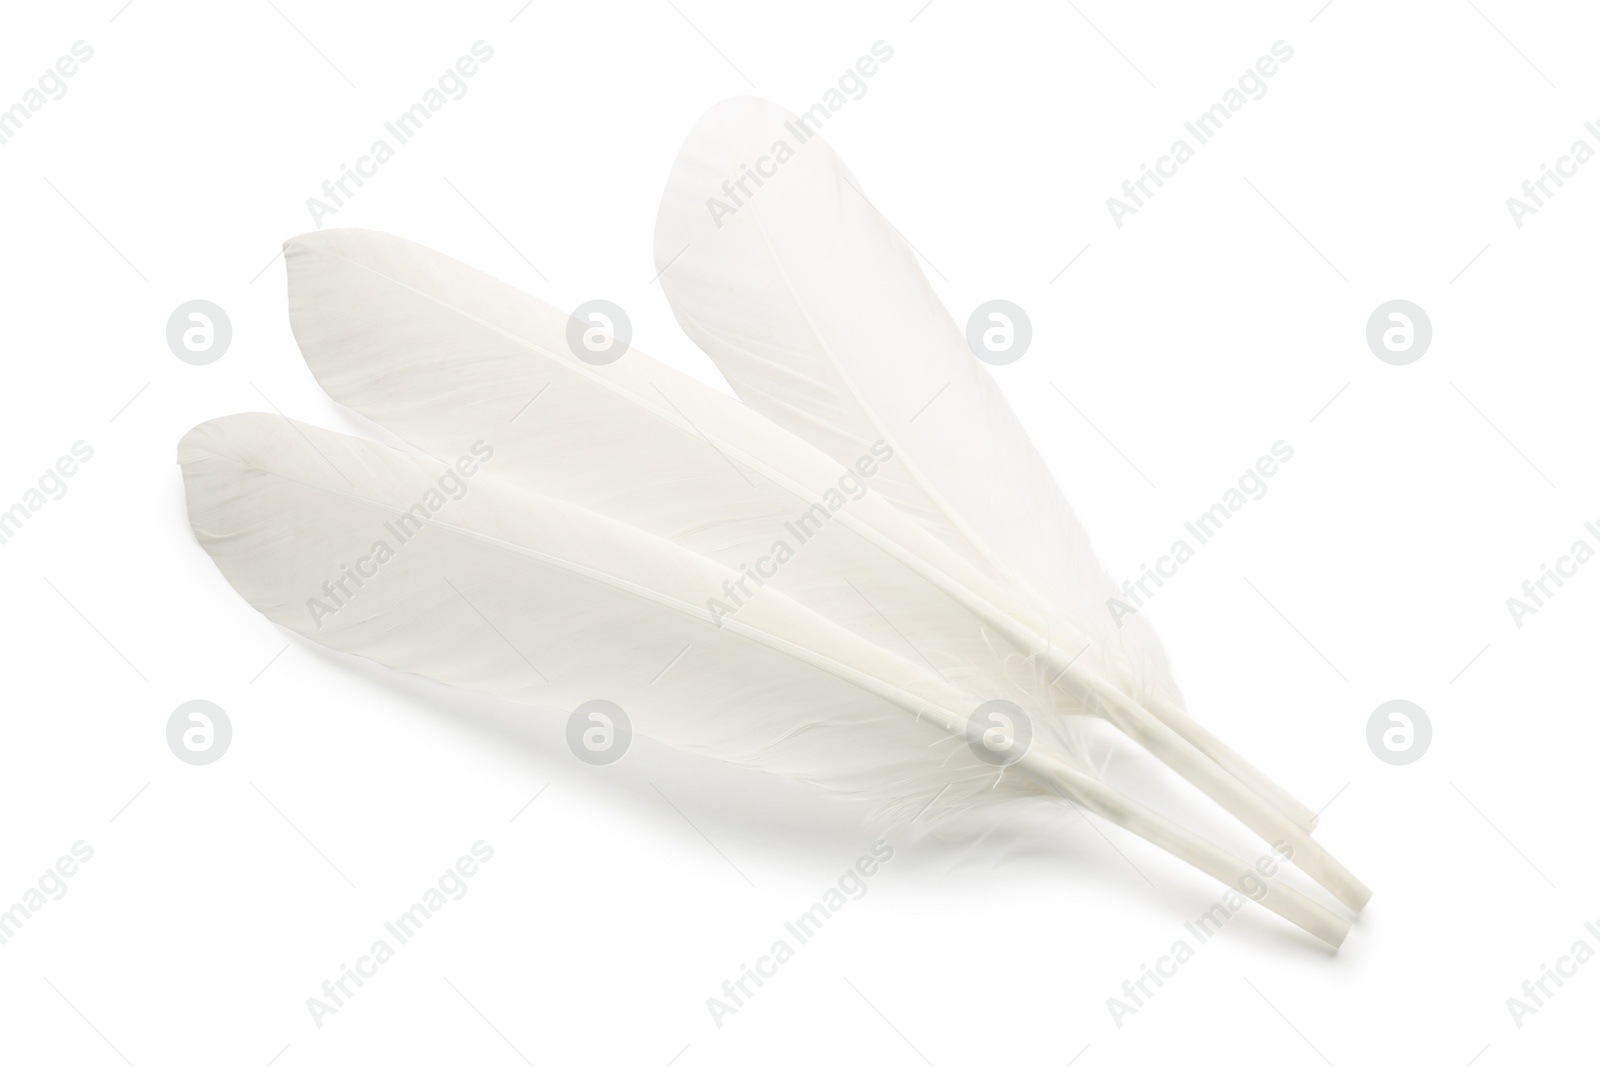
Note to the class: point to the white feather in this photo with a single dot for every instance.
(540, 601)
(439, 354)
(818, 314)
(516, 594)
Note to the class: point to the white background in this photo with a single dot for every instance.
(1226, 315)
